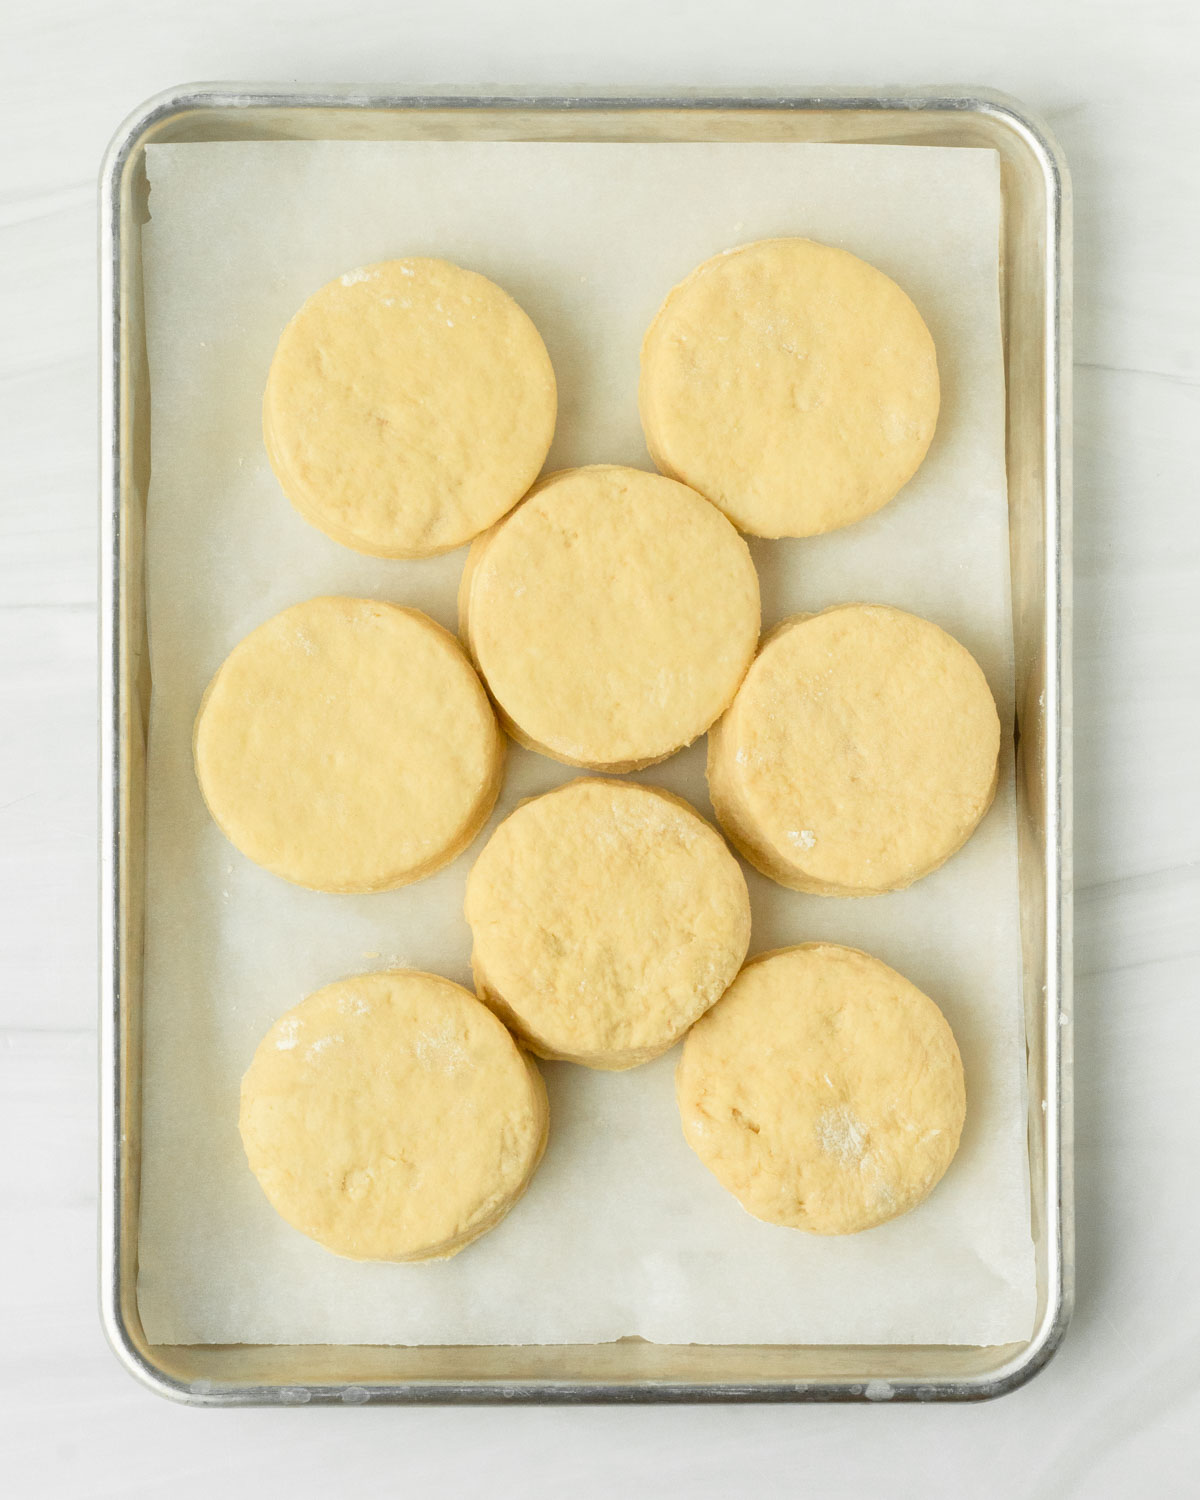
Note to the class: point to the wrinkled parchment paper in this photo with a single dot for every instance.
(623, 1231)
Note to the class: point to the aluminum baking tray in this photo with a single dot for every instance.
(1036, 296)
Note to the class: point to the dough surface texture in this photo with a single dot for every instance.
(348, 745)
(824, 1091)
(860, 752)
(391, 1117)
(612, 616)
(792, 383)
(606, 918)
(408, 406)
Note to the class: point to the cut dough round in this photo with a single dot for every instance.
(860, 752)
(606, 918)
(612, 616)
(408, 406)
(792, 383)
(392, 1117)
(347, 745)
(824, 1091)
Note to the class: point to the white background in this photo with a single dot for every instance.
(1118, 1412)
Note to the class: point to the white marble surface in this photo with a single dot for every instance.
(1118, 1412)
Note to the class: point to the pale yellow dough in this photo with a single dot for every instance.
(612, 616)
(408, 406)
(392, 1117)
(606, 918)
(824, 1091)
(792, 383)
(347, 745)
(859, 754)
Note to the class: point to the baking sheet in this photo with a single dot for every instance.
(623, 1231)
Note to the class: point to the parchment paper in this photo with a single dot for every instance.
(623, 1231)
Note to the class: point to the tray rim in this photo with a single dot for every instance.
(133, 1352)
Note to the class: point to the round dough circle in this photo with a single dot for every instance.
(860, 752)
(792, 383)
(612, 616)
(825, 1091)
(408, 406)
(347, 745)
(392, 1117)
(606, 918)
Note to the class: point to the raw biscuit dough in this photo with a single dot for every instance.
(348, 745)
(392, 1117)
(792, 383)
(408, 406)
(860, 752)
(824, 1091)
(612, 616)
(606, 918)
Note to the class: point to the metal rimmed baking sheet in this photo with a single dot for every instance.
(1033, 204)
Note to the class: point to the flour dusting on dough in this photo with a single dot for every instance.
(319, 1046)
(841, 1133)
(287, 1036)
(440, 1050)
